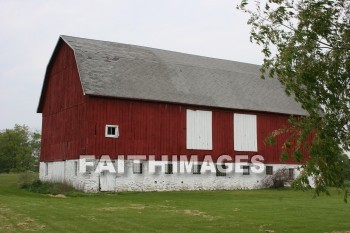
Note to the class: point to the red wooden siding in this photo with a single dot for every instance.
(74, 124)
(63, 109)
(149, 128)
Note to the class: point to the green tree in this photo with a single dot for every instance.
(306, 46)
(19, 149)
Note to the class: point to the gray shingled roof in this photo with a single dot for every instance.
(129, 71)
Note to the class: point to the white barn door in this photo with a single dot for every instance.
(245, 132)
(199, 130)
(107, 181)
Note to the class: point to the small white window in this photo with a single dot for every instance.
(245, 132)
(199, 130)
(112, 131)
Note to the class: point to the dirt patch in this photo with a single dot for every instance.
(89, 217)
(195, 213)
(29, 220)
(58, 195)
(2, 209)
(11, 222)
(262, 228)
(30, 225)
(166, 207)
(130, 207)
(22, 224)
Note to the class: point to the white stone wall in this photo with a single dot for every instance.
(52, 171)
(64, 171)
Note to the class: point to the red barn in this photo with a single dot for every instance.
(103, 98)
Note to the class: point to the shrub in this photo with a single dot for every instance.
(277, 180)
(33, 184)
(26, 179)
(347, 183)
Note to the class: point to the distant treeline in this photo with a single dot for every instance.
(19, 149)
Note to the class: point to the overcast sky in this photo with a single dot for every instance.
(29, 31)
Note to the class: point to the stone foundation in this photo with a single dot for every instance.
(67, 172)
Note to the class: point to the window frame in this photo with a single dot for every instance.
(46, 169)
(115, 135)
(220, 173)
(268, 171)
(291, 173)
(246, 170)
(196, 169)
(169, 168)
(137, 168)
(76, 168)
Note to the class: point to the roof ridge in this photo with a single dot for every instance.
(165, 50)
(186, 64)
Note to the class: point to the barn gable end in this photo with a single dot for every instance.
(62, 105)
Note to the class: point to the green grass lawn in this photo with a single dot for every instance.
(199, 211)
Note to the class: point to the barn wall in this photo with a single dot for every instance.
(148, 128)
(63, 108)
